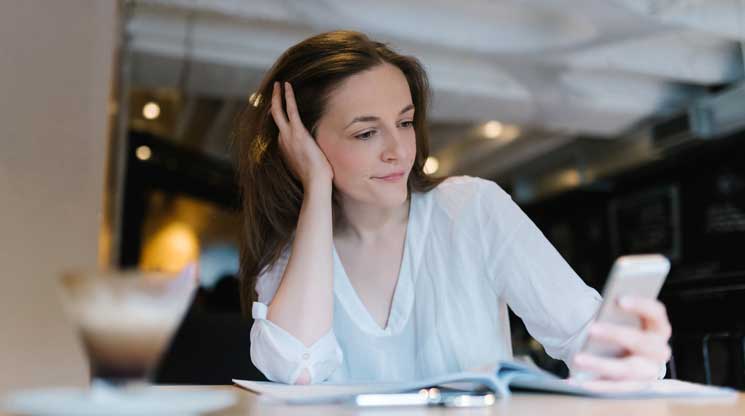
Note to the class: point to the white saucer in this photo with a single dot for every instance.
(143, 401)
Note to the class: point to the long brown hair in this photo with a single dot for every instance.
(271, 194)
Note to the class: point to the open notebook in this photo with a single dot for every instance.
(499, 379)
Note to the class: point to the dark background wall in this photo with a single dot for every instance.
(690, 206)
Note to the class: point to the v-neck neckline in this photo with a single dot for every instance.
(402, 295)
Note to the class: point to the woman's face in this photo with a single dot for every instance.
(367, 135)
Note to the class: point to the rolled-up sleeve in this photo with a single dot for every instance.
(279, 355)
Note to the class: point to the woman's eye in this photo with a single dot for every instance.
(366, 135)
(409, 123)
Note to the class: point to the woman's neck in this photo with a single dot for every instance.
(368, 223)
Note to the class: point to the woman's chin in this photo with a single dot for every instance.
(391, 199)
(383, 195)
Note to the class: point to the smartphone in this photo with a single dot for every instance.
(637, 275)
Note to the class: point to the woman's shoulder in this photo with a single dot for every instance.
(462, 181)
(467, 189)
(458, 194)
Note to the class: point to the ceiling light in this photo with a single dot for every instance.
(509, 133)
(493, 129)
(151, 110)
(143, 152)
(431, 165)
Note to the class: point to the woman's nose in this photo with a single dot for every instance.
(394, 146)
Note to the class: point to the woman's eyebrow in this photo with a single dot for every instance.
(375, 118)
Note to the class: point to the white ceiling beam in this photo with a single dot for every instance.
(725, 18)
(213, 38)
(482, 56)
(680, 55)
(267, 10)
(480, 26)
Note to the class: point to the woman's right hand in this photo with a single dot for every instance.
(301, 151)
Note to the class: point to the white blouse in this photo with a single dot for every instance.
(469, 252)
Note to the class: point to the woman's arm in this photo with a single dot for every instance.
(303, 303)
(279, 355)
(556, 305)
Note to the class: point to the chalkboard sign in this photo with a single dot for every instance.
(646, 222)
(714, 222)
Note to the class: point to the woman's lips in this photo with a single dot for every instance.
(392, 177)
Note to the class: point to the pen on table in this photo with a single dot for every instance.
(426, 397)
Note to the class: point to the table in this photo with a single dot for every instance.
(518, 404)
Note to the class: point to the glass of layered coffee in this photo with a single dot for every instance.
(126, 320)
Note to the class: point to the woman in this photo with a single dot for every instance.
(366, 269)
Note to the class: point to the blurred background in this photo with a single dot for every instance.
(618, 126)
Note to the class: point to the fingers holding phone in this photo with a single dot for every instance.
(651, 313)
(629, 338)
(645, 349)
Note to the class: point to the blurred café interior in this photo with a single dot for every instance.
(618, 127)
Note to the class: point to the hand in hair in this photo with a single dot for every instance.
(305, 158)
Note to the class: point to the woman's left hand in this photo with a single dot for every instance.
(646, 348)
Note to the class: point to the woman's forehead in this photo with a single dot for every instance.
(381, 91)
